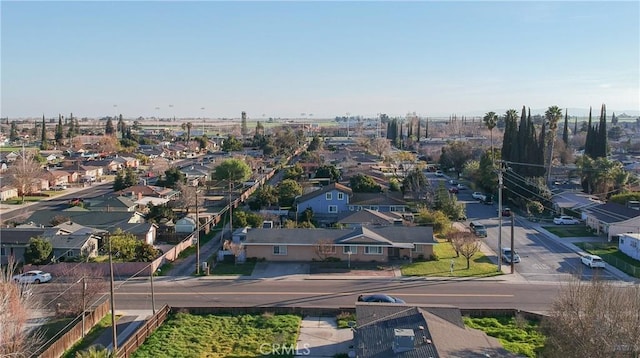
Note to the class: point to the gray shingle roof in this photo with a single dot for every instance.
(324, 189)
(613, 213)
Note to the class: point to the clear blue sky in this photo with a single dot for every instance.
(281, 59)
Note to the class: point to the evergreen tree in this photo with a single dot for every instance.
(552, 116)
(76, 126)
(13, 133)
(121, 126)
(109, 129)
(565, 133)
(601, 150)
(418, 131)
(259, 128)
(588, 144)
(43, 137)
(243, 125)
(510, 135)
(59, 133)
(426, 128)
(575, 126)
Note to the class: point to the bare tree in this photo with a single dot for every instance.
(107, 144)
(324, 248)
(187, 198)
(23, 172)
(87, 286)
(16, 304)
(159, 166)
(594, 319)
(466, 244)
(236, 248)
(380, 146)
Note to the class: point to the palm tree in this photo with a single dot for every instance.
(187, 126)
(491, 120)
(552, 116)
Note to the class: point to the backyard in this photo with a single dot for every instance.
(481, 265)
(219, 335)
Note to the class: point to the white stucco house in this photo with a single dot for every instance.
(629, 244)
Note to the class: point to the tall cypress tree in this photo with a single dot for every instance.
(565, 133)
(59, 133)
(588, 144)
(418, 131)
(43, 137)
(602, 133)
(426, 129)
(575, 126)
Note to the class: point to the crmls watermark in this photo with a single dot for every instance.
(277, 349)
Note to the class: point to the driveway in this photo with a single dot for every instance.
(320, 337)
(279, 269)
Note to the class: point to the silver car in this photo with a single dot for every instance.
(35, 276)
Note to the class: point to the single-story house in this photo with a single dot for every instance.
(185, 225)
(80, 244)
(612, 219)
(368, 217)
(629, 244)
(8, 192)
(400, 331)
(117, 203)
(15, 241)
(94, 219)
(143, 231)
(358, 244)
(149, 190)
(57, 177)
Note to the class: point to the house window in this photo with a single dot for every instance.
(346, 249)
(633, 243)
(373, 250)
(327, 196)
(375, 208)
(621, 241)
(280, 250)
(340, 196)
(333, 208)
(416, 248)
(70, 253)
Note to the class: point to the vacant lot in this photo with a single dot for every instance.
(516, 335)
(187, 335)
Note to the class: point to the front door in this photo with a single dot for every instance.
(393, 252)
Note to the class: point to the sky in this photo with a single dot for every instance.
(291, 59)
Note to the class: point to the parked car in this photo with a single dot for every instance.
(478, 228)
(453, 182)
(35, 276)
(478, 196)
(488, 200)
(380, 298)
(506, 212)
(453, 190)
(461, 187)
(439, 173)
(59, 187)
(593, 261)
(566, 220)
(506, 255)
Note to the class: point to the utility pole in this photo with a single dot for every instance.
(230, 214)
(153, 299)
(197, 236)
(513, 249)
(500, 220)
(114, 331)
(84, 303)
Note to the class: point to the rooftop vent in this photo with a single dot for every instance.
(403, 340)
(633, 204)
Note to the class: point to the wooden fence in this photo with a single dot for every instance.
(68, 339)
(143, 332)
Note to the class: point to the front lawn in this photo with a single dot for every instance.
(228, 269)
(481, 266)
(518, 336)
(220, 335)
(570, 231)
(613, 256)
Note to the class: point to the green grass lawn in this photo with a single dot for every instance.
(227, 269)
(55, 326)
(569, 231)
(18, 200)
(344, 318)
(481, 266)
(518, 336)
(219, 335)
(613, 256)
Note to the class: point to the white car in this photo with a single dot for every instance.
(35, 276)
(566, 220)
(593, 261)
(439, 173)
(478, 196)
(506, 255)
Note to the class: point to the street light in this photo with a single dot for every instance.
(197, 236)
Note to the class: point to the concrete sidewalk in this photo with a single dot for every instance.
(320, 337)
(125, 326)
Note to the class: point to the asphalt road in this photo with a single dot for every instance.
(206, 292)
(542, 258)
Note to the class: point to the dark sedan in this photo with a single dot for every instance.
(380, 298)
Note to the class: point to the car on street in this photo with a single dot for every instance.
(593, 261)
(453, 182)
(478, 196)
(478, 228)
(453, 190)
(380, 298)
(488, 200)
(439, 173)
(34, 276)
(506, 212)
(506, 255)
(566, 220)
(461, 187)
(59, 187)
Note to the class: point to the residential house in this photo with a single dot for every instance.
(573, 200)
(85, 217)
(387, 201)
(57, 177)
(629, 244)
(8, 192)
(38, 185)
(90, 171)
(379, 244)
(127, 162)
(400, 331)
(15, 241)
(369, 217)
(325, 202)
(108, 165)
(11, 157)
(149, 190)
(116, 203)
(145, 232)
(195, 173)
(612, 219)
(80, 244)
(185, 225)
